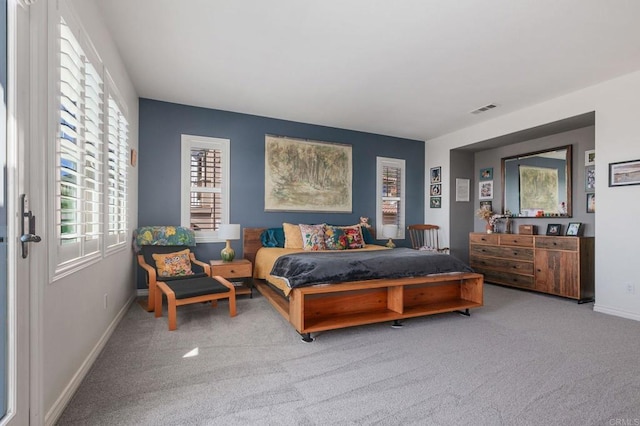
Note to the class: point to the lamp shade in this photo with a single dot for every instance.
(229, 231)
(389, 231)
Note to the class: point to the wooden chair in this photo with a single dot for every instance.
(179, 276)
(183, 290)
(426, 237)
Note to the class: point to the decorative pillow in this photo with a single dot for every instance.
(312, 237)
(334, 238)
(272, 237)
(354, 236)
(366, 235)
(173, 264)
(292, 236)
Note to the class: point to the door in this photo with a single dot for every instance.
(15, 356)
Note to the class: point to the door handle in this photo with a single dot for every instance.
(30, 236)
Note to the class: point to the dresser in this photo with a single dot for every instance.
(562, 266)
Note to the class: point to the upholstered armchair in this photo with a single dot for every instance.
(171, 270)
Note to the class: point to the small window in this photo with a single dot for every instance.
(205, 185)
(390, 200)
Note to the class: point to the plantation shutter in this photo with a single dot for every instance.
(391, 195)
(117, 160)
(79, 152)
(206, 182)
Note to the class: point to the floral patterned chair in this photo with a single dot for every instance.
(172, 270)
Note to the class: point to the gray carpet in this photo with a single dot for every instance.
(522, 359)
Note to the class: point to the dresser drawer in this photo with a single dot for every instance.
(516, 240)
(504, 265)
(484, 238)
(557, 243)
(524, 281)
(516, 253)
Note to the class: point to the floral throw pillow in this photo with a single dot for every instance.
(335, 238)
(312, 237)
(354, 236)
(173, 264)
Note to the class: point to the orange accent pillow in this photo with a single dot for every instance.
(292, 236)
(173, 264)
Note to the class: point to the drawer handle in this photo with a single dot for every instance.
(232, 271)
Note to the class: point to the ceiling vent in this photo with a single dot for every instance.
(483, 109)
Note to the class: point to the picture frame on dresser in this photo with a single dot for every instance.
(574, 229)
(553, 229)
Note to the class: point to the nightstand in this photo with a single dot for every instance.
(239, 272)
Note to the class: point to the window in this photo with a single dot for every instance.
(90, 173)
(390, 200)
(79, 152)
(205, 185)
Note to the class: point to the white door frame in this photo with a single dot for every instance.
(25, 103)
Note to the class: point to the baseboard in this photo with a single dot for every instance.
(616, 312)
(58, 407)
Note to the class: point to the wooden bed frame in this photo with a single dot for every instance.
(328, 307)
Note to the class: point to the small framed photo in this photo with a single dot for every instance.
(436, 174)
(435, 190)
(591, 203)
(486, 174)
(435, 202)
(554, 229)
(590, 157)
(574, 229)
(624, 173)
(485, 190)
(590, 178)
(486, 205)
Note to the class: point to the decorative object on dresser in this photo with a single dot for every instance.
(526, 229)
(575, 229)
(554, 229)
(238, 272)
(562, 266)
(228, 232)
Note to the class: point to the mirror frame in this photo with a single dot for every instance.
(569, 179)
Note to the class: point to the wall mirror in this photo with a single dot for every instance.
(538, 184)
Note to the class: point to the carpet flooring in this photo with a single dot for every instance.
(522, 359)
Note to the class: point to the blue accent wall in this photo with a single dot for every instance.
(162, 124)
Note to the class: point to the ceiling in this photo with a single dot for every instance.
(405, 68)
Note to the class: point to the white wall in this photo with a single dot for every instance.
(617, 138)
(74, 321)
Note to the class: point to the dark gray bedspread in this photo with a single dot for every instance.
(304, 269)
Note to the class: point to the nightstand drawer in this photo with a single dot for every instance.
(234, 269)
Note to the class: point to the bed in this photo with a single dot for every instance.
(313, 307)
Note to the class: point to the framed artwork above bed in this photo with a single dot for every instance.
(307, 175)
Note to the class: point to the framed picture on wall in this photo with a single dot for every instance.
(435, 202)
(435, 174)
(485, 190)
(435, 190)
(591, 203)
(624, 173)
(486, 174)
(486, 205)
(590, 157)
(590, 178)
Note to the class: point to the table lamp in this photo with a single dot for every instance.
(390, 232)
(228, 232)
